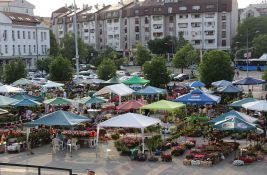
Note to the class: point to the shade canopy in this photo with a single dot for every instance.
(221, 83)
(10, 89)
(58, 101)
(93, 100)
(59, 118)
(248, 81)
(231, 89)
(135, 80)
(3, 111)
(22, 82)
(113, 80)
(233, 114)
(197, 84)
(130, 105)
(164, 105)
(51, 84)
(118, 89)
(150, 90)
(130, 120)
(239, 103)
(26, 103)
(198, 97)
(260, 105)
(5, 101)
(234, 124)
(27, 96)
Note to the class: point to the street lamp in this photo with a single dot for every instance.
(76, 40)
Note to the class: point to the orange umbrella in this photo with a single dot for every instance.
(130, 105)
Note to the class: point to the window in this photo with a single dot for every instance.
(195, 7)
(183, 8)
(210, 15)
(6, 49)
(137, 29)
(23, 35)
(171, 29)
(86, 30)
(125, 21)
(210, 41)
(197, 42)
(169, 9)
(157, 26)
(146, 20)
(5, 35)
(210, 6)
(171, 19)
(195, 15)
(70, 25)
(136, 12)
(183, 16)
(183, 25)
(223, 25)
(147, 38)
(85, 24)
(24, 48)
(146, 29)
(157, 9)
(136, 20)
(109, 21)
(13, 35)
(30, 50)
(223, 43)
(137, 37)
(13, 48)
(18, 34)
(223, 17)
(45, 49)
(116, 20)
(209, 33)
(157, 18)
(34, 48)
(93, 30)
(125, 30)
(195, 24)
(19, 49)
(33, 35)
(29, 35)
(44, 35)
(223, 34)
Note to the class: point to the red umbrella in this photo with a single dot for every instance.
(130, 105)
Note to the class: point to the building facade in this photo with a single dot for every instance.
(253, 10)
(206, 24)
(22, 36)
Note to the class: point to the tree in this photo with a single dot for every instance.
(264, 76)
(60, 69)
(107, 69)
(185, 57)
(14, 70)
(141, 54)
(181, 41)
(108, 53)
(54, 47)
(43, 65)
(260, 45)
(156, 71)
(216, 65)
(162, 46)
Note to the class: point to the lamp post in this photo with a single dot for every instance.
(76, 40)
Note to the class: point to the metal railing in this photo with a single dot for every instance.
(38, 168)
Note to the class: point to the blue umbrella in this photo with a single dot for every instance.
(248, 81)
(197, 97)
(233, 114)
(229, 89)
(197, 84)
(26, 103)
(150, 90)
(239, 103)
(234, 124)
(59, 118)
(221, 83)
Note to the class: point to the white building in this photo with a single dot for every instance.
(22, 36)
(17, 6)
(253, 10)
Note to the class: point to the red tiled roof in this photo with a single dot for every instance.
(61, 10)
(21, 19)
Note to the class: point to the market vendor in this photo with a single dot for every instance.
(59, 136)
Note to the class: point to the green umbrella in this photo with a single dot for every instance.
(135, 80)
(58, 101)
(22, 81)
(5, 101)
(94, 100)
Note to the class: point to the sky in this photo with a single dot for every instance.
(46, 7)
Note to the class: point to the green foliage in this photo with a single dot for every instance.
(43, 65)
(2, 73)
(107, 69)
(156, 71)
(109, 53)
(153, 142)
(54, 47)
(185, 57)
(216, 65)
(264, 76)
(260, 45)
(141, 54)
(181, 41)
(162, 46)
(60, 69)
(14, 70)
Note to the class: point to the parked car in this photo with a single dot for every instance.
(140, 74)
(181, 77)
(120, 73)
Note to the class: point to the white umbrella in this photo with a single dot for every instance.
(260, 105)
(51, 84)
(10, 89)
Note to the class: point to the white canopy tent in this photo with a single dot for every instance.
(118, 89)
(10, 89)
(260, 105)
(129, 120)
(51, 84)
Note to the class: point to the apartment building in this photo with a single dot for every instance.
(22, 35)
(253, 10)
(206, 24)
